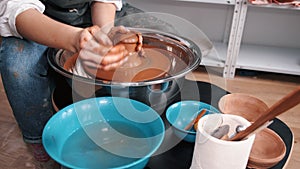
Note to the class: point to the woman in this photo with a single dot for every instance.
(28, 28)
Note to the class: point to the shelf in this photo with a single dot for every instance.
(289, 7)
(263, 37)
(217, 57)
(269, 58)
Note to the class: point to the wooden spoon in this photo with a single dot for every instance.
(189, 126)
(286, 103)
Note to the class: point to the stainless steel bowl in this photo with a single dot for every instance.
(156, 92)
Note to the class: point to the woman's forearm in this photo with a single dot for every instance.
(103, 15)
(33, 25)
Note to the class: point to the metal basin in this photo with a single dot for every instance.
(184, 57)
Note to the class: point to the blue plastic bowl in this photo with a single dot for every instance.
(104, 132)
(180, 114)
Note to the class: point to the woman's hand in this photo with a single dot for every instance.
(97, 50)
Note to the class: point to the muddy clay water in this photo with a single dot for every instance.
(155, 63)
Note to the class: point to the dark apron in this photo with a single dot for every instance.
(72, 12)
(78, 13)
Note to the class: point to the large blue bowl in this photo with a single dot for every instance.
(180, 114)
(104, 132)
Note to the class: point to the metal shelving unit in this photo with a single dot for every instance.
(236, 30)
(281, 53)
(213, 17)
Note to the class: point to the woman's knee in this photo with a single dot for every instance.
(22, 58)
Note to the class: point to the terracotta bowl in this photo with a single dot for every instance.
(267, 150)
(241, 104)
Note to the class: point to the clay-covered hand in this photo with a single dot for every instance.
(132, 40)
(116, 34)
(98, 52)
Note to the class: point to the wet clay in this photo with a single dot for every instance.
(70, 62)
(143, 63)
(154, 64)
(133, 41)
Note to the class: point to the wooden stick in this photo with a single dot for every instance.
(190, 125)
(287, 102)
(259, 129)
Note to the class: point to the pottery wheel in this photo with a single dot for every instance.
(154, 64)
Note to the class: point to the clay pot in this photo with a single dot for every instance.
(132, 41)
(152, 65)
(242, 104)
(267, 150)
(143, 64)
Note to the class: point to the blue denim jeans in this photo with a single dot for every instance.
(26, 79)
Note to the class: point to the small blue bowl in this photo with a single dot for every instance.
(180, 114)
(104, 132)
